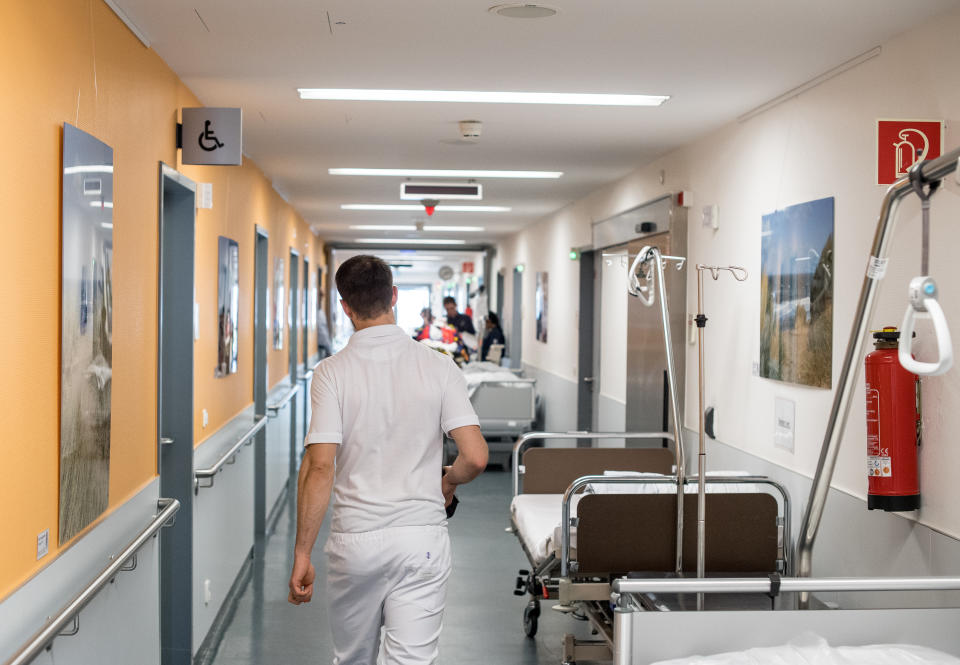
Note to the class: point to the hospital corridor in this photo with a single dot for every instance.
(450, 332)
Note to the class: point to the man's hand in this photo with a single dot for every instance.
(448, 487)
(301, 581)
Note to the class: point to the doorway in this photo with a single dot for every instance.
(261, 269)
(515, 342)
(175, 410)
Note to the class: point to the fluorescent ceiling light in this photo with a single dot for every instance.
(481, 97)
(454, 229)
(411, 241)
(383, 227)
(399, 207)
(101, 204)
(445, 173)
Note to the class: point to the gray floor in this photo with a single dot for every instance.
(483, 618)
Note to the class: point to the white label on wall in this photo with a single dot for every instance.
(877, 268)
(205, 195)
(784, 414)
(43, 544)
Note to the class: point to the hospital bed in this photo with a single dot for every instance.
(505, 402)
(625, 524)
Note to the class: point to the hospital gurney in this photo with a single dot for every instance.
(576, 560)
(506, 404)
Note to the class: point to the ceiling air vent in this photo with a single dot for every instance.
(416, 191)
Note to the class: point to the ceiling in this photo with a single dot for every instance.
(716, 60)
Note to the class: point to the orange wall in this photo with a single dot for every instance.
(74, 61)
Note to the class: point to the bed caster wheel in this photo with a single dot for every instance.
(531, 613)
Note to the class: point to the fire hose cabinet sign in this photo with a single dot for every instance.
(212, 136)
(903, 143)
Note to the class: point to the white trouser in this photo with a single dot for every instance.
(394, 579)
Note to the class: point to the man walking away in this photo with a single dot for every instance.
(380, 408)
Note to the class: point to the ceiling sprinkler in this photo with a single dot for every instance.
(430, 205)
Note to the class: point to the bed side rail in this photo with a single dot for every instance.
(777, 490)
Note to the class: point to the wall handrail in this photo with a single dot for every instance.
(273, 409)
(211, 471)
(929, 171)
(70, 612)
(784, 584)
(523, 443)
(306, 376)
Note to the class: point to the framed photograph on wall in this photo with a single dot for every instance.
(228, 305)
(86, 352)
(796, 294)
(278, 303)
(542, 300)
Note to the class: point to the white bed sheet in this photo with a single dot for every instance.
(813, 650)
(537, 519)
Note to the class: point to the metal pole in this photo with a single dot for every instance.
(933, 170)
(674, 404)
(702, 457)
(786, 585)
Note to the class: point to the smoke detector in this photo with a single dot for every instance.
(523, 10)
(470, 130)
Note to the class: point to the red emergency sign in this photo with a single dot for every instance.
(467, 267)
(902, 143)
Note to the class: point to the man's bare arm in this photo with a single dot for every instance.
(471, 459)
(313, 494)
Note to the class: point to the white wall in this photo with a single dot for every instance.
(816, 145)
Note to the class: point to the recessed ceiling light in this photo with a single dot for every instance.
(400, 207)
(445, 173)
(411, 241)
(480, 97)
(454, 229)
(522, 10)
(383, 227)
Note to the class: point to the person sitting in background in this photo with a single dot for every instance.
(493, 334)
(461, 322)
(423, 332)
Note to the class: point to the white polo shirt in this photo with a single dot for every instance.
(387, 400)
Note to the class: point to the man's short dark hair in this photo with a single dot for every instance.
(366, 284)
(449, 300)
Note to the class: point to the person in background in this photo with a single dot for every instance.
(493, 334)
(423, 332)
(461, 322)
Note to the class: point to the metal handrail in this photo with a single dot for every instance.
(306, 376)
(211, 471)
(783, 585)
(582, 482)
(273, 409)
(930, 171)
(69, 613)
(523, 443)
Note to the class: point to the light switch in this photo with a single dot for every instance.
(784, 419)
(205, 195)
(206, 417)
(711, 216)
(43, 544)
(207, 592)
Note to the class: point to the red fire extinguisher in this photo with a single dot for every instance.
(893, 427)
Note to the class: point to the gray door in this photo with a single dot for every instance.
(175, 411)
(585, 363)
(515, 343)
(260, 381)
(294, 314)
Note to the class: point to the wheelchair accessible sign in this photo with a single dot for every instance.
(212, 136)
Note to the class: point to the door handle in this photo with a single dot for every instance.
(166, 441)
(588, 379)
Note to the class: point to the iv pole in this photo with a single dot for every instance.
(740, 274)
